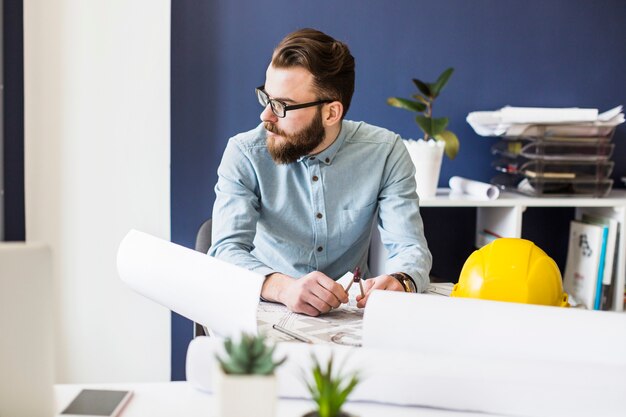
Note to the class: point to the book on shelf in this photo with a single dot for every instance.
(584, 268)
(484, 237)
(610, 262)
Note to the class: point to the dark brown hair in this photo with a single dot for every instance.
(329, 60)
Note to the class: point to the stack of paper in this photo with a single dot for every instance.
(520, 121)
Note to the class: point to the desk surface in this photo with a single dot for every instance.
(180, 399)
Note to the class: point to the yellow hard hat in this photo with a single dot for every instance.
(511, 269)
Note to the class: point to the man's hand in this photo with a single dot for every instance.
(381, 282)
(312, 294)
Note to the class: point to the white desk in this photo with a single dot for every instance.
(180, 399)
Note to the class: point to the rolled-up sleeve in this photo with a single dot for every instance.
(399, 220)
(236, 211)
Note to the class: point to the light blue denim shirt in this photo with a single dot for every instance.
(316, 214)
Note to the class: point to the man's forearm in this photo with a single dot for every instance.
(274, 286)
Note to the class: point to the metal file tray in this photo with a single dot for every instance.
(559, 170)
(569, 130)
(552, 187)
(590, 149)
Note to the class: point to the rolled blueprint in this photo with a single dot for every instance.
(474, 188)
(204, 289)
(433, 324)
(454, 381)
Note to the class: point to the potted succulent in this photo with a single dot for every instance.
(329, 390)
(427, 153)
(246, 370)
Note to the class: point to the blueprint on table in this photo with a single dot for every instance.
(341, 326)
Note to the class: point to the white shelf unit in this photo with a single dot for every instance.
(504, 216)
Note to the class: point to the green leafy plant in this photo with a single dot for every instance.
(423, 104)
(330, 390)
(249, 355)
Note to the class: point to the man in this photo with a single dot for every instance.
(296, 197)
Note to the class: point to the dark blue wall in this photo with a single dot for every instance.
(524, 53)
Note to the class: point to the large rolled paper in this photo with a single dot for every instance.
(474, 188)
(446, 325)
(456, 381)
(209, 291)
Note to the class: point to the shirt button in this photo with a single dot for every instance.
(319, 215)
(327, 160)
(315, 178)
(311, 158)
(319, 248)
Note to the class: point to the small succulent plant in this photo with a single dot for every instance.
(423, 103)
(249, 355)
(330, 390)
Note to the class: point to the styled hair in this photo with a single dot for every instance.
(329, 60)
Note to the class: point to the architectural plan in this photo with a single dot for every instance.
(342, 326)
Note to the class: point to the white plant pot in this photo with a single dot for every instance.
(427, 157)
(245, 395)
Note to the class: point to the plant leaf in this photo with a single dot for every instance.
(439, 125)
(423, 87)
(265, 368)
(228, 345)
(431, 127)
(424, 123)
(403, 103)
(317, 377)
(451, 143)
(438, 85)
(343, 396)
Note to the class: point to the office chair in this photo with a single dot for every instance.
(203, 243)
(203, 237)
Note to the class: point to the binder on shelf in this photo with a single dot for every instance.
(609, 261)
(484, 237)
(598, 298)
(584, 268)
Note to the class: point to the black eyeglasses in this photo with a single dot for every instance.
(278, 107)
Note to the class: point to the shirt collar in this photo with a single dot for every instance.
(328, 154)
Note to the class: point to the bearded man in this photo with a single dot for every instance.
(297, 196)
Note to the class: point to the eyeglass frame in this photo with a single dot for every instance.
(286, 107)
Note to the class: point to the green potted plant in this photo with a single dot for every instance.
(427, 153)
(329, 389)
(246, 369)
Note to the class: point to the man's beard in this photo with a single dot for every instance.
(295, 145)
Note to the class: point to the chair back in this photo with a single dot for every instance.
(203, 237)
(203, 243)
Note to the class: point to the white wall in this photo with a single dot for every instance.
(97, 127)
(26, 356)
